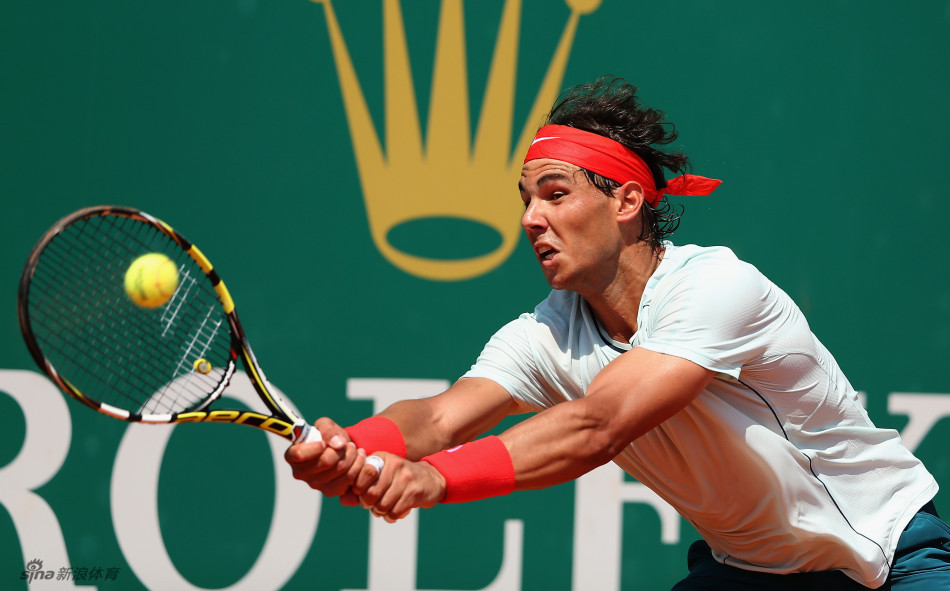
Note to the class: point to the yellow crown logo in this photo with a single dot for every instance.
(448, 177)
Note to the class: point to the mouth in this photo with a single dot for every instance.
(545, 253)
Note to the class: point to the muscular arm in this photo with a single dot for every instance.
(629, 397)
(467, 409)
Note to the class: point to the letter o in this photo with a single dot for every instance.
(134, 499)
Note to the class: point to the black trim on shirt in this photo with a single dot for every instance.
(811, 469)
(602, 333)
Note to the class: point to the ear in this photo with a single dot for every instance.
(630, 199)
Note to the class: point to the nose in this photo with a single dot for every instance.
(532, 220)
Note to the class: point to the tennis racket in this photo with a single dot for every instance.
(165, 364)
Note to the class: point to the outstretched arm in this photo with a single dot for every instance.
(467, 409)
(631, 395)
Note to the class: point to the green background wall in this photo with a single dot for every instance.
(826, 120)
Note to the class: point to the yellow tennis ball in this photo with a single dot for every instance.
(151, 280)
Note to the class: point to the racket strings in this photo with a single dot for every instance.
(198, 345)
(139, 360)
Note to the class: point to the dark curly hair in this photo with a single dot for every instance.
(610, 107)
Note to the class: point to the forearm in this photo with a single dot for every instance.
(556, 446)
(412, 429)
(469, 408)
(561, 444)
(415, 420)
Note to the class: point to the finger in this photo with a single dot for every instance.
(394, 517)
(377, 512)
(369, 487)
(369, 474)
(387, 501)
(348, 499)
(332, 435)
(335, 436)
(304, 452)
(397, 516)
(343, 482)
(328, 473)
(377, 463)
(367, 499)
(357, 465)
(401, 506)
(383, 506)
(393, 490)
(305, 467)
(415, 488)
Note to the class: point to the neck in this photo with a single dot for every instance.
(617, 305)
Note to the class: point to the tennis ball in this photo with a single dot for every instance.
(151, 280)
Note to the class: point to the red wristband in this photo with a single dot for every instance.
(378, 434)
(476, 470)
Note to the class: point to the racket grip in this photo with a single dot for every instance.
(308, 434)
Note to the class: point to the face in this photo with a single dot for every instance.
(572, 225)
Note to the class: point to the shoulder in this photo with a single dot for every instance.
(559, 304)
(711, 285)
(713, 269)
(553, 311)
(696, 258)
(710, 307)
(553, 316)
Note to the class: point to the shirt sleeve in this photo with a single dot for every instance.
(713, 313)
(508, 360)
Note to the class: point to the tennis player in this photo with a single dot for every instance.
(682, 364)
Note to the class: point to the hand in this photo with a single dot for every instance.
(401, 486)
(329, 466)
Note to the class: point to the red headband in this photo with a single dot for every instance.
(612, 160)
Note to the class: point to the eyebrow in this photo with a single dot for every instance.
(551, 177)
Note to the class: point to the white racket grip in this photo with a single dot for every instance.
(309, 434)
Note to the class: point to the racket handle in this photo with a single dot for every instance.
(308, 434)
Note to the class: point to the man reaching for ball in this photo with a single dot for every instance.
(681, 364)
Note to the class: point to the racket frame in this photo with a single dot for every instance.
(284, 421)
